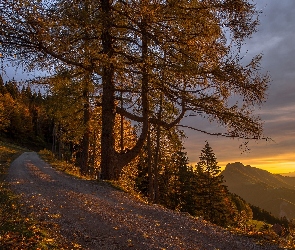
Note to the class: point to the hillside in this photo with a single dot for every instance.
(272, 192)
(86, 214)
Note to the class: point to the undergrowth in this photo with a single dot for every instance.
(123, 184)
(66, 167)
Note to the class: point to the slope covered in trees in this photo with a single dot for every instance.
(199, 191)
(272, 192)
(23, 115)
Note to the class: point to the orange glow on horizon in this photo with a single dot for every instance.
(279, 164)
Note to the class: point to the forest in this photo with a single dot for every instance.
(45, 121)
(34, 120)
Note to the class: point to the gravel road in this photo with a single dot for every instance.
(97, 216)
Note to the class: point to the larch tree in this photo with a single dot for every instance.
(66, 104)
(140, 52)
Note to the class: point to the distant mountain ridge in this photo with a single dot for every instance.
(291, 174)
(272, 192)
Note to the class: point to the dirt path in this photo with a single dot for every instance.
(97, 216)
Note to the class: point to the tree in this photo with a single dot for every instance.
(2, 86)
(182, 192)
(244, 211)
(142, 52)
(6, 102)
(4, 117)
(66, 104)
(158, 163)
(213, 202)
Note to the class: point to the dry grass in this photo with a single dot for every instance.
(59, 165)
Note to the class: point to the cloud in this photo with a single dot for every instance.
(275, 40)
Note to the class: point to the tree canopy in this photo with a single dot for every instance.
(177, 56)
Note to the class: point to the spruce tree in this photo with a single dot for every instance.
(187, 189)
(213, 200)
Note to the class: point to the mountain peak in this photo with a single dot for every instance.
(234, 165)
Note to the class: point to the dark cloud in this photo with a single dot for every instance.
(275, 39)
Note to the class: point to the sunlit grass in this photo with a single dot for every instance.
(71, 169)
(263, 234)
(66, 167)
(257, 225)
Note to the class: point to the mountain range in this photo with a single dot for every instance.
(272, 192)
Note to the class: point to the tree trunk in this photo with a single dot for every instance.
(86, 136)
(157, 154)
(108, 154)
(150, 170)
(84, 160)
(112, 162)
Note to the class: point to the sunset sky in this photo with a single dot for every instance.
(275, 38)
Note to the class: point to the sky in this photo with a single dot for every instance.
(275, 39)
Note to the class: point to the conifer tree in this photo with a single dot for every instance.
(213, 200)
(158, 163)
(186, 184)
(6, 105)
(2, 87)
